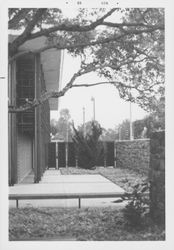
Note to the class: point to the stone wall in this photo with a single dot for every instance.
(157, 176)
(133, 154)
(147, 156)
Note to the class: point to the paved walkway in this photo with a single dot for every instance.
(53, 182)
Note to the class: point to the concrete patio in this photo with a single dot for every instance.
(53, 182)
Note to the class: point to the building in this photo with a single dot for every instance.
(29, 131)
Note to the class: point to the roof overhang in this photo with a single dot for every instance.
(51, 61)
(52, 68)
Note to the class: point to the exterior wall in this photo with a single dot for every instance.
(24, 156)
(24, 121)
(133, 154)
(29, 132)
(157, 176)
(12, 131)
(45, 124)
(42, 125)
(45, 133)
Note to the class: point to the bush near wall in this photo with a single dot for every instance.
(133, 154)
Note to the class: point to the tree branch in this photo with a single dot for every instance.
(78, 28)
(83, 45)
(121, 25)
(44, 97)
(93, 84)
(115, 83)
(71, 27)
(56, 94)
(83, 70)
(24, 36)
(17, 18)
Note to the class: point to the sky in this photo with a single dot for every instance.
(110, 109)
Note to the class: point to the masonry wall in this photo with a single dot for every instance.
(133, 154)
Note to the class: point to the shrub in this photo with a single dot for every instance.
(88, 147)
(137, 209)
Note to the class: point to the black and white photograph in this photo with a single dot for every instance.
(86, 123)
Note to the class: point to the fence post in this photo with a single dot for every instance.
(115, 154)
(57, 163)
(105, 154)
(76, 162)
(79, 202)
(66, 154)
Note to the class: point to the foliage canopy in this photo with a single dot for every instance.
(126, 46)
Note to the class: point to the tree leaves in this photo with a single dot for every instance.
(129, 50)
(87, 144)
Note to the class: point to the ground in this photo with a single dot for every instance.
(123, 177)
(91, 224)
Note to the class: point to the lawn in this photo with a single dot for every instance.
(123, 177)
(89, 224)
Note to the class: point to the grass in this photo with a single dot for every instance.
(123, 177)
(88, 224)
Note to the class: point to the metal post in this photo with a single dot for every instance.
(130, 106)
(79, 203)
(66, 147)
(84, 128)
(94, 108)
(17, 203)
(130, 112)
(93, 100)
(115, 154)
(119, 133)
(76, 162)
(105, 154)
(57, 166)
